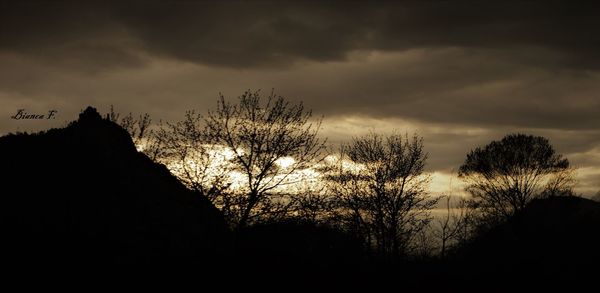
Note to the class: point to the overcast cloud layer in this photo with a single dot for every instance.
(459, 73)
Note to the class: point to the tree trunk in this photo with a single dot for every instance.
(252, 200)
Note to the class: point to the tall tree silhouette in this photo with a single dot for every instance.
(381, 183)
(504, 176)
(261, 133)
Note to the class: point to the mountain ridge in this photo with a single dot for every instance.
(85, 193)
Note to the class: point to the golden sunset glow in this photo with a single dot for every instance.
(301, 179)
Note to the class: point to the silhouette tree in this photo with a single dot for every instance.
(314, 205)
(201, 166)
(449, 228)
(504, 176)
(143, 136)
(424, 244)
(467, 222)
(560, 184)
(261, 134)
(137, 128)
(381, 184)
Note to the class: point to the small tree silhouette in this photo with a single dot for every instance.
(449, 230)
(143, 136)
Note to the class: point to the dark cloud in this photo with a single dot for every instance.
(274, 34)
(446, 85)
(68, 35)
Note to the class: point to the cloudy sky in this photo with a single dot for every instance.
(460, 73)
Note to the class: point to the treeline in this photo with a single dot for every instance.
(260, 160)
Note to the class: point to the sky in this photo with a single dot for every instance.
(459, 73)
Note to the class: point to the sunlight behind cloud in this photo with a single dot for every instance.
(446, 184)
(285, 162)
(308, 179)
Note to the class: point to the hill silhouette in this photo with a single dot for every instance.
(83, 195)
(552, 241)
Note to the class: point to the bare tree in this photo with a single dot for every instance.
(560, 184)
(469, 221)
(201, 166)
(450, 228)
(424, 243)
(182, 147)
(316, 205)
(140, 130)
(263, 134)
(383, 189)
(505, 175)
